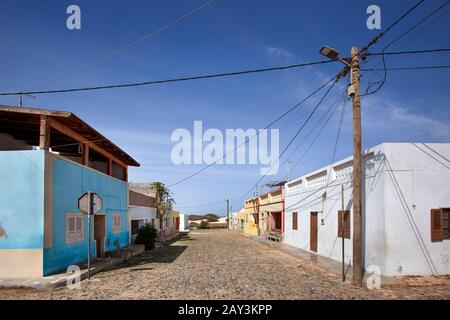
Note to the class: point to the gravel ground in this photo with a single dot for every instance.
(217, 264)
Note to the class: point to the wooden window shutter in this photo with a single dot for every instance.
(294, 221)
(346, 224)
(436, 225)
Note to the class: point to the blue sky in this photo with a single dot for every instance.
(227, 35)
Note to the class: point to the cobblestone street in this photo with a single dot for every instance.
(217, 264)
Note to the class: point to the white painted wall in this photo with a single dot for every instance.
(403, 181)
(184, 222)
(144, 214)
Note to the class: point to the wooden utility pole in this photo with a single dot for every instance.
(228, 213)
(343, 231)
(357, 169)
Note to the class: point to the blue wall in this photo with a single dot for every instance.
(22, 199)
(70, 181)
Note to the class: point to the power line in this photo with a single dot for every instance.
(257, 134)
(375, 40)
(293, 138)
(327, 115)
(130, 45)
(383, 59)
(408, 68)
(137, 84)
(314, 139)
(341, 120)
(407, 52)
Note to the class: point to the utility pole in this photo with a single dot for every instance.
(90, 206)
(357, 169)
(343, 232)
(228, 213)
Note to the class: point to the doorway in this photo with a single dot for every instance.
(99, 235)
(313, 231)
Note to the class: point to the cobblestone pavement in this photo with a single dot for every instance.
(217, 264)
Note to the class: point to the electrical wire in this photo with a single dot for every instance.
(383, 59)
(293, 138)
(375, 40)
(408, 68)
(406, 52)
(257, 134)
(130, 45)
(145, 83)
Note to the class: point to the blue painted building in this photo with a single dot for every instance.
(48, 159)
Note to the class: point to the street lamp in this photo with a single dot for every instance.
(333, 54)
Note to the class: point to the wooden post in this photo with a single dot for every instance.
(85, 159)
(109, 166)
(44, 133)
(228, 213)
(357, 170)
(342, 231)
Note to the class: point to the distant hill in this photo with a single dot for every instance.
(210, 217)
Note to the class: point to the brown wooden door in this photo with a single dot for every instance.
(100, 234)
(313, 231)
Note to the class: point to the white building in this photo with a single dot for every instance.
(184, 222)
(142, 210)
(405, 205)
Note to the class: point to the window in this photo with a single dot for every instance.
(440, 224)
(153, 221)
(294, 221)
(74, 227)
(117, 223)
(344, 219)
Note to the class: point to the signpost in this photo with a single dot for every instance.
(90, 203)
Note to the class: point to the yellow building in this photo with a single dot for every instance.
(251, 217)
(264, 215)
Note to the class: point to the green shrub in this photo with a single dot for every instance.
(204, 225)
(146, 236)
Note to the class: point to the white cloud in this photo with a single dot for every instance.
(436, 128)
(279, 54)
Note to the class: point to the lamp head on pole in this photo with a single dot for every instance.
(329, 53)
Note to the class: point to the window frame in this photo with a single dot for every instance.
(78, 233)
(295, 220)
(447, 210)
(116, 228)
(438, 234)
(347, 223)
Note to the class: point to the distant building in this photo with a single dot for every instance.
(184, 222)
(406, 207)
(48, 160)
(142, 211)
(146, 189)
(264, 215)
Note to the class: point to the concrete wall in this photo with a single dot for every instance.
(184, 222)
(417, 179)
(70, 181)
(402, 183)
(21, 213)
(144, 214)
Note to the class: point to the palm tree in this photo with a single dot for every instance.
(164, 205)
